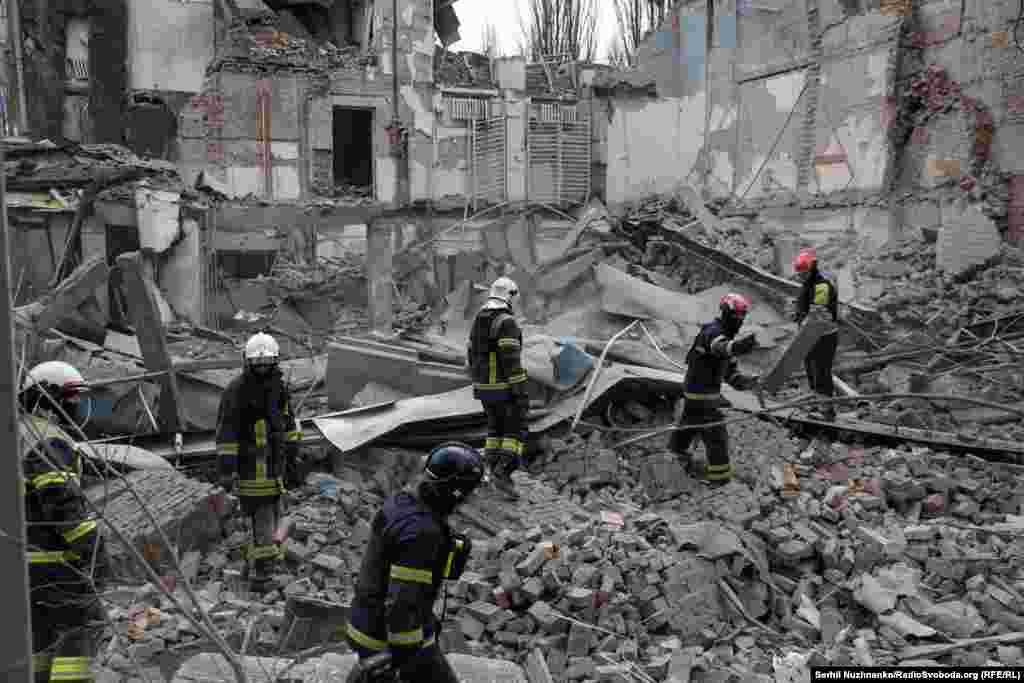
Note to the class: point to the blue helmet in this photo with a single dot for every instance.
(453, 470)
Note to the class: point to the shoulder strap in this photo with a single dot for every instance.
(496, 324)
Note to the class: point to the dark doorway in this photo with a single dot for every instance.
(353, 147)
(121, 239)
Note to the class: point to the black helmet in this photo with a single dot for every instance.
(452, 471)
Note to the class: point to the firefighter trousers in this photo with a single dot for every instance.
(507, 433)
(64, 612)
(818, 364)
(263, 552)
(429, 666)
(715, 437)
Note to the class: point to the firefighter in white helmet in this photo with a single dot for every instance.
(64, 545)
(257, 442)
(499, 382)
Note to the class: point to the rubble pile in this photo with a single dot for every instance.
(828, 552)
(326, 279)
(644, 225)
(917, 292)
(258, 37)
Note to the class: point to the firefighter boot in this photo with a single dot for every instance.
(501, 478)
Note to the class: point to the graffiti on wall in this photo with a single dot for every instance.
(263, 152)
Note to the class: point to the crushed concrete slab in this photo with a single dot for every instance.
(190, 512)
(213, 668)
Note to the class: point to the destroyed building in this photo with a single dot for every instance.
(242, 172)
(882, 119)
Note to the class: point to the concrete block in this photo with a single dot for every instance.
(351, 366)
(968, 239)
(184, 508)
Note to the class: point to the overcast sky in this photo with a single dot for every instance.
(504, 14)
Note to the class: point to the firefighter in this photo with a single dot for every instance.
(65, 552)
(257, 441)
(411, 551)
(712, 359)
(494, 354)
(818, 300)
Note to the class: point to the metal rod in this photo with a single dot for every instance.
(16, 648)
(14, 33)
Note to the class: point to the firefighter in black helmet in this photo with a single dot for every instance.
(411, 551)
(499, 382)
(67, 564)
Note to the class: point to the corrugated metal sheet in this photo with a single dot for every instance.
(558, 149)
(490, 172)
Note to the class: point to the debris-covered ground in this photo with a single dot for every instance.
(616, 561)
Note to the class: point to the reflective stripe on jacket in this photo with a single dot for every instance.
(495, 355)
(255, 426)
(710, 362)
(400, 577)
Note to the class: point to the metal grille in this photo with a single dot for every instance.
(466, 108)
(558, 153)
(76, 69)
(556, 113)
(490, 171)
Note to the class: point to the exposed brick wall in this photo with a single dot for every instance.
(323, 171)
(1015, 231)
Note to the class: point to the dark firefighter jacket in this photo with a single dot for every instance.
(495, 356)
(710, 362)
(256, 434)
(818, 299)
(407, 558)
(62, 536)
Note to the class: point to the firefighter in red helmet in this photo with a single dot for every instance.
(712, 360)
(818, 300)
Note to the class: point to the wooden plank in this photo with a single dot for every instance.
(930, 651)
(145, 315)
(794, 356)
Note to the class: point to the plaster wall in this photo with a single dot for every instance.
(169, 44)
(762, 124)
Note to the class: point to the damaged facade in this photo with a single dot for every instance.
(808, 114)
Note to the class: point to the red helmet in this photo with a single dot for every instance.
(735, 304)
(805, 261)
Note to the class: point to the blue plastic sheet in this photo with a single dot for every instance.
(572, 363)
(727, 31)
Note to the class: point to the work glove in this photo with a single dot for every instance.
(227, 482)
(744, 344)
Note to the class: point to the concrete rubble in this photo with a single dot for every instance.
(883, 552)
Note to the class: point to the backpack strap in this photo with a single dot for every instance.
(496, 324)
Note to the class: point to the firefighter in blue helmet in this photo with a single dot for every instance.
(65, 551)
(712, 360)
(818, 300)
(411, 551)
(257, 442)
(499, 382)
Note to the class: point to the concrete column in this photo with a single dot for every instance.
(380, 237)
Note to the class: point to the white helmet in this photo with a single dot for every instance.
(54, 386)
(262, 350)
(56, 376)
(503, 289)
